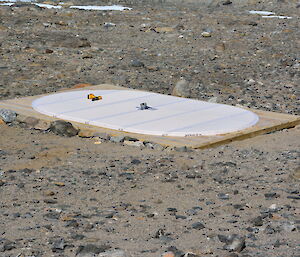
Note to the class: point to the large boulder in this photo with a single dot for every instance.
(63, 128)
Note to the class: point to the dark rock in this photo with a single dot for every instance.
(26, 170)
(58, 245)
(63, 128)
(252, 236)
(254, 230)
(197, 225)
(132, 139)
(193, 211)
(137, 63)
(294, 197)
(77, 236)
(8, 116)
(170, 209)
(253, 23)
(72, 223)
(3, 153)
(90, 250)
(182, 217)
(223, 196)
(159, 233)
(271, 195)
(52, 215)
(258, 221)
(7, 246)
(50, 201)
(48, 51)
(227, 2)
(135, 161)
(238, 207)
(269, 230)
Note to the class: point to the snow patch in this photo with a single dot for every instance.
(49, 6)
(7, 4)
(278, 17)
(261, 12)
(100, 8)
(23, 1)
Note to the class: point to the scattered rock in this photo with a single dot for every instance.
(63, 128)
(223, 196)
(227, 2)
(198, 226)
(42, 125)
(269, 230)
(48, 51)
(102, 136)
(134, 143)
(77, 236)
(258, 221)
(90, 250)
(233, 242)
(182, 89)
(8, 116)
(206, 34)
(117, 139)
(135, 161)
(137, 63)
(271, 195)
(86, 133)
(159, 233)
(50, 201)
(109, 25)
(30, 122)
(58, 245)
(7, 246)
(112, 253)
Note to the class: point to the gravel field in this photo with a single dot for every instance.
(72, 196)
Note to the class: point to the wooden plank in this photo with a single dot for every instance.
(268, 122)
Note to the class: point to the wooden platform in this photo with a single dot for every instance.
(268, 121)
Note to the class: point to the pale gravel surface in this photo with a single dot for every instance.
(119, 195)
(58, 193)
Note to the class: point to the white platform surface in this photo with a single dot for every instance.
(170, 116)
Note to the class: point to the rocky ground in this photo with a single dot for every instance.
(246, 60)
(64, 196)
